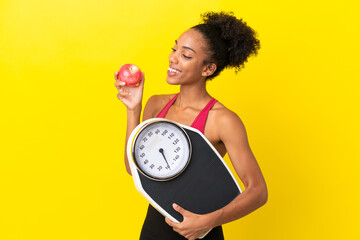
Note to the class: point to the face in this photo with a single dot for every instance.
(186, 61)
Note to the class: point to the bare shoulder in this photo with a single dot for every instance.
(223, 115)
(225, 121)
(154, 105)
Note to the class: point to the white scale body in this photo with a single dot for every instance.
(173, 163)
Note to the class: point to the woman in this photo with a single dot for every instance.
(200, 54)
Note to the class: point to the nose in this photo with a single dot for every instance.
(173, 58)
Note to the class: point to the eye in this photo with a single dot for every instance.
(187, 57)
(173, 49)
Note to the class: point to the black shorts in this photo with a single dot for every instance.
(155, 228)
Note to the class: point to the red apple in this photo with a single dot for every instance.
(130, 74)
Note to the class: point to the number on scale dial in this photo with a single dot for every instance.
(161, 150)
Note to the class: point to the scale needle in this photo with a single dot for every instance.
(162, 152)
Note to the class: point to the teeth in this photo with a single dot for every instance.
(173, 70)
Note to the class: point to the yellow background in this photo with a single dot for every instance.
(62, 128)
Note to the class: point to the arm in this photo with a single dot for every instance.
(132, 99)
(255, 194)
(234, 137)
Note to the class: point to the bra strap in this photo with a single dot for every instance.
(200, 120)
(164, 111)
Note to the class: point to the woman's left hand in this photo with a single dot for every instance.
(193, 225)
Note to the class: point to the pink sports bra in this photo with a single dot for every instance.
(200, 120)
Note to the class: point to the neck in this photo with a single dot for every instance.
(192, 95)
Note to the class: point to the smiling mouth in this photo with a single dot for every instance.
(172, 70)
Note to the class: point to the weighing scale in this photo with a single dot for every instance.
(173, 163)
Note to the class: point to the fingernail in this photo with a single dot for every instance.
(174, 205)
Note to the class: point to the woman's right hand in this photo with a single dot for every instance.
(131, 97)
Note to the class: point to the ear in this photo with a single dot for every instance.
(209, 69)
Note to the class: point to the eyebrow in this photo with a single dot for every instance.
(186, 47)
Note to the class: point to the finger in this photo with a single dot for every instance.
(172, 224)
(121, 98)
(119, 84)
(119, 87)
(124, 93)
(169, 222)
(179, 209)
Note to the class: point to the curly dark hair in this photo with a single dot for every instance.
(230, 40)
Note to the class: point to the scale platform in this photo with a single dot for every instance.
(206, 184)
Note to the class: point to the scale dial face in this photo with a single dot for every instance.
(161, 150)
